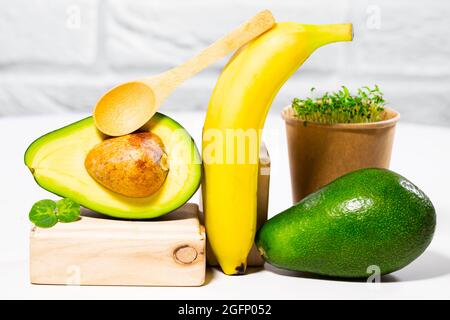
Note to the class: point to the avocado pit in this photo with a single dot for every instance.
(134, 165)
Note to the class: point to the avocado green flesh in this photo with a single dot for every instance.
(365, 218)
(56, 161)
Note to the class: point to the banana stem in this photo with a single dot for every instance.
(335, 32)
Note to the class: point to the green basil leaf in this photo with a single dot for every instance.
(68, 210)
(42, 214)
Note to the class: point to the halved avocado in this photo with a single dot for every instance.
(56, 161)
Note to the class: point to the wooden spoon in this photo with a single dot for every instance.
(129, 106)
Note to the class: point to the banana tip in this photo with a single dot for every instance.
(240, 269)
(352, 31)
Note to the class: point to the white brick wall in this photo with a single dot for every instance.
(60, 55)
(42, 32)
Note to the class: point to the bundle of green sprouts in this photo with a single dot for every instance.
(342, 107)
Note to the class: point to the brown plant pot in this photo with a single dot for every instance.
(320, 153)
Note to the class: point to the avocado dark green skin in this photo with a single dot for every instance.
(367, 217)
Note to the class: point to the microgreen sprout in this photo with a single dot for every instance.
(341, 106)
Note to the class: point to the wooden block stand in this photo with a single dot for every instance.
(96, 250)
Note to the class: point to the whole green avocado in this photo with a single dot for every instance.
(364, 218)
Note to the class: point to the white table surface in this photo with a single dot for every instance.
(421, 153)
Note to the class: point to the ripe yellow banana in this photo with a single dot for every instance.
(231, 133)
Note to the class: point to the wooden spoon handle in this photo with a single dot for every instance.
(249, 30)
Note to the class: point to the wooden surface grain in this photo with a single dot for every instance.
(97, 250)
